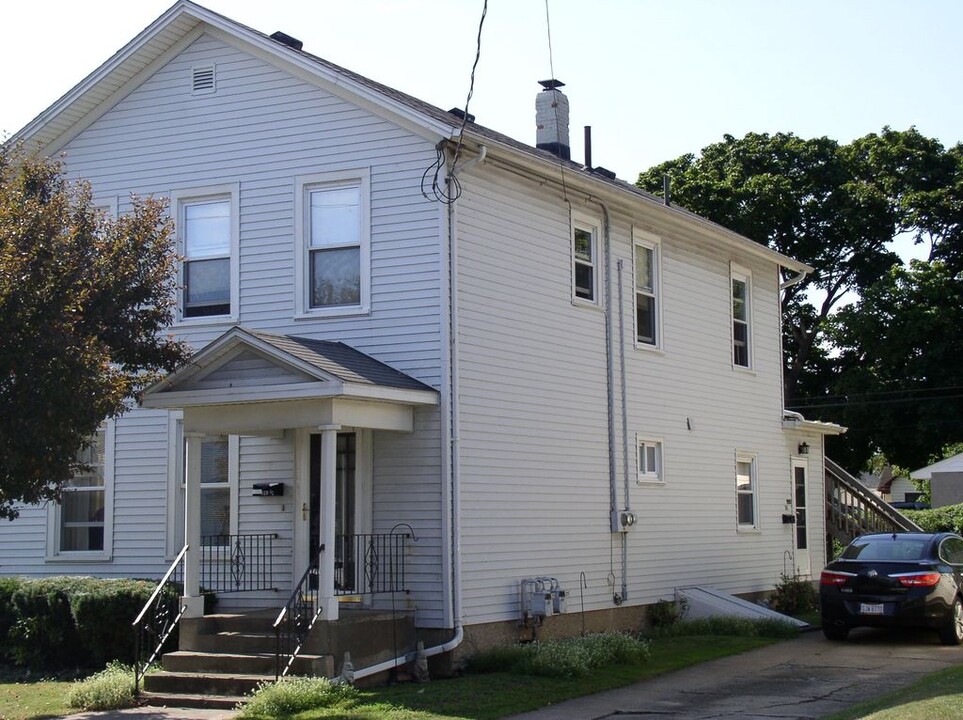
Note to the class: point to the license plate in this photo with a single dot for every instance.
(871, 608)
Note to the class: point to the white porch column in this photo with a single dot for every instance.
(329, 469)
(192, 600)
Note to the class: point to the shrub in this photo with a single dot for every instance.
(666, 612)
(793, 595)
(293, 695)
(567, 658)
(942, 519)
(728, 625)
(110, 689)
(65, 622)
(8, 586)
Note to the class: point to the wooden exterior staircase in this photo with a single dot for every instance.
(851, 509)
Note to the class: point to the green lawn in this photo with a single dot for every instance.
(34, 700)
(495, 695)
(935, 697)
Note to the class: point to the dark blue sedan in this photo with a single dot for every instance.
(895, 580)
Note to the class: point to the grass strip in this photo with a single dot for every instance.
(938, 696)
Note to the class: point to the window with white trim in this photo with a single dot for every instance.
(79, 526)
(207, 240)
(649, 460)
(647, 279)
(219, 476)
(585, 261)
(746, 490)
(741, 283)
(333, 259)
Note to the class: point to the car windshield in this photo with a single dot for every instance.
(887, 548)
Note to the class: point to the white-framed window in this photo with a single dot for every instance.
(585, 261)
(649, 462)
(741, 284)
(746, 491)
(80, 526)
(207, 239)
(219, 487)
(333, 275)
(648, 280)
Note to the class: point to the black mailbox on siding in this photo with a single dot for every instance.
(274, 489)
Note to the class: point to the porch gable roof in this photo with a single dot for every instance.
(246, 366)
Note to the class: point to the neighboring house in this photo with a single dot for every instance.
(553, 374)
(946, 480)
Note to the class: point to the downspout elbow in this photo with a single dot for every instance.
(793, 280)
(479, 158)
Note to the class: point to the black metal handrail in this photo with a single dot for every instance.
(158, 618)
(294, 622)
(237, 563)
(370, 564)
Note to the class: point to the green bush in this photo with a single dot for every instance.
(110, 689)
(67, 622)
(293, 695)
(742, 627)
(942, 519)
(667, 612)
(568, 658)
(793, 595)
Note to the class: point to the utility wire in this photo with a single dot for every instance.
(551, 68)
(448, 192)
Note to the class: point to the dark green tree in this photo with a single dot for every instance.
(84, 302)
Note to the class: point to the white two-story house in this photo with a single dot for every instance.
(430, 359)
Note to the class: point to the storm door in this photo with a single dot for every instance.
(345, 508)
(801, 527)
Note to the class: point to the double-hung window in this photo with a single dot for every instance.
(741, 283)
(585, 261)
(649, 460)
(647, 279)
(80, 524)
(207, 238)
(333, 259)
(746, 487)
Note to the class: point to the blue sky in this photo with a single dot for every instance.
(655, 78)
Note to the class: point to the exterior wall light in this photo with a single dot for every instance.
(803, 448)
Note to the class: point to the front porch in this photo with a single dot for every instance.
(306, 543)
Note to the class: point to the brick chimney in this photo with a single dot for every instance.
(551, 119)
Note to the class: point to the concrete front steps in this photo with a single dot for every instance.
(223, 658)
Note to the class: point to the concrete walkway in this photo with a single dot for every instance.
(806, 679)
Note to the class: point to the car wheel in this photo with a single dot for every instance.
(952, 632)
(835, 631)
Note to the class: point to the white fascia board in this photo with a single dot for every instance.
(381, 393)
(628, 202)
(823, 428)
(229, 396)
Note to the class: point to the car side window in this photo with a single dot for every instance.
(951, 551)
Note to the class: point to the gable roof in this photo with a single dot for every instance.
(950, 464)
(185, 21)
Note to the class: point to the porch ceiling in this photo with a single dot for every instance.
(254, 382)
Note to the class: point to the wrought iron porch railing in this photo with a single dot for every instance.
(294, 622)
(370, 564)
(237, 563)
(851, 509)
(158, 618)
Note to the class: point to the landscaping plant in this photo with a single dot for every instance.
(110, 689)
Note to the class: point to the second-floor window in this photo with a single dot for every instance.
(647, 310)
(207, 240)
(334, 249)
(585, 262)
(741, 318)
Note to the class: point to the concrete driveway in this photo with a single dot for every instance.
(806, 678)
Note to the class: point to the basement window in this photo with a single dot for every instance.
(203, 79)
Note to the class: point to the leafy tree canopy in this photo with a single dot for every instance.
(84, 301)
(836, 207)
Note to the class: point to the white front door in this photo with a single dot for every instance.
(800, 471)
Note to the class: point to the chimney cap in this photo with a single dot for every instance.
(551, 84)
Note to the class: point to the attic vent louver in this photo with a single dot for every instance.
(286, 39)
(202, 80)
